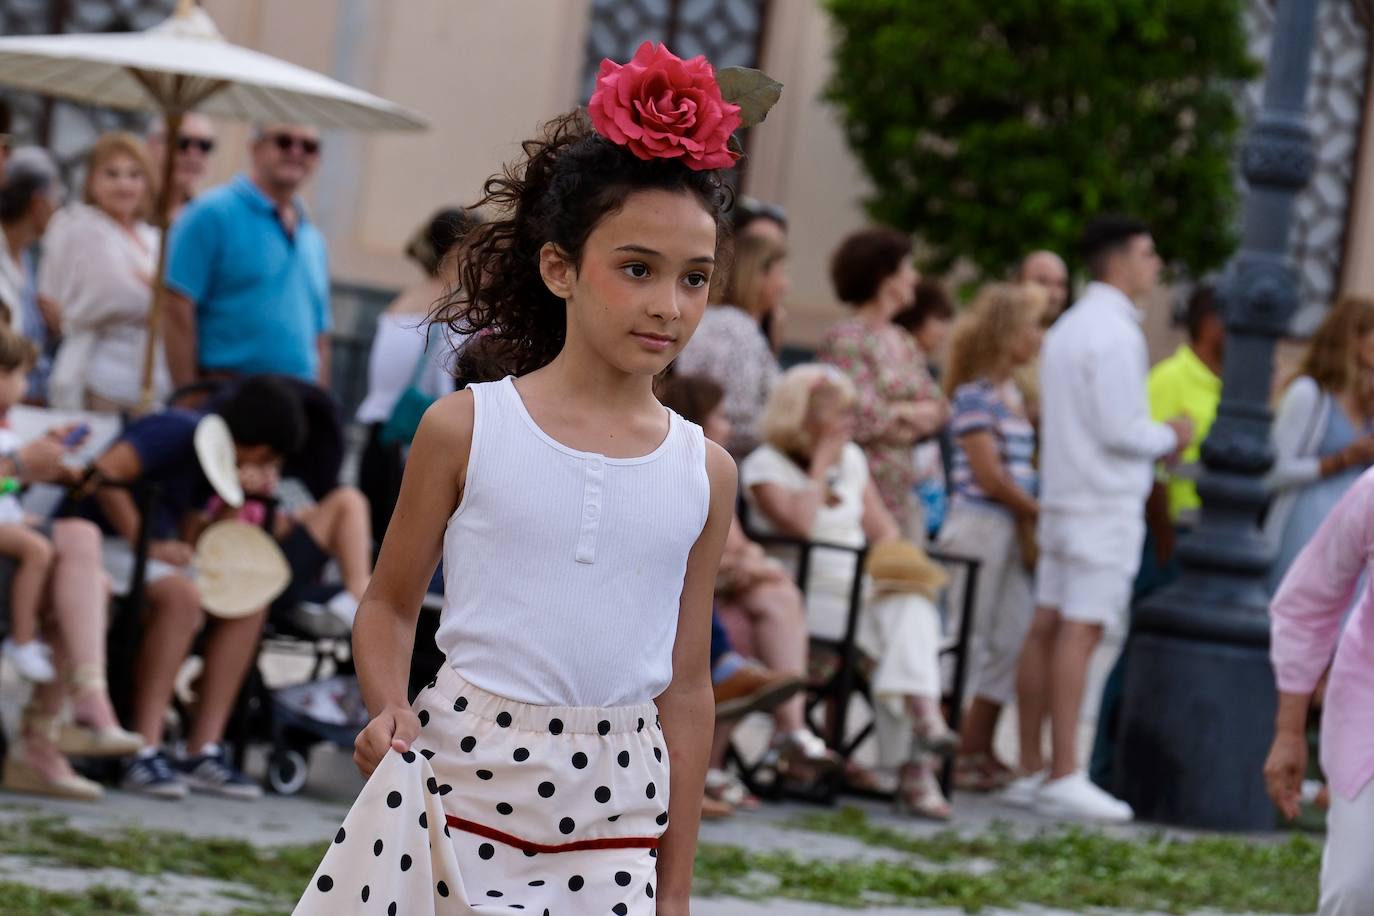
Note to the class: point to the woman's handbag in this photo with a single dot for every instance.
(404, 420)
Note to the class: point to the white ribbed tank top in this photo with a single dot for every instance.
(563, 569)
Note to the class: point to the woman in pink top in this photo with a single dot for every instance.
(1307, 614)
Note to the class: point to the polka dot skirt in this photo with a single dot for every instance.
(504, 808)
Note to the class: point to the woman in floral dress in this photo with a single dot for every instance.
(899, 403)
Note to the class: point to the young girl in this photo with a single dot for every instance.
(556, 761)
(29, 550)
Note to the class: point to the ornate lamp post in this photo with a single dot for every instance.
(1198, 705)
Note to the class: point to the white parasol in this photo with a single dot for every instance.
(181, 65)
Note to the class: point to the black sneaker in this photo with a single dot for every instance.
(152, 774)
(212, 773)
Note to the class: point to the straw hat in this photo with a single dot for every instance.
(239, 569)
(899, 566)
(215, 452)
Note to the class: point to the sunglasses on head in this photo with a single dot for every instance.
(204, 144)
(307, 145)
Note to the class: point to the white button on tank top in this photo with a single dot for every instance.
(563, 569)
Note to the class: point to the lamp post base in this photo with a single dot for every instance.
(1196, 722)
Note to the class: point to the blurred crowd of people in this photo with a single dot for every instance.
(1024, 430)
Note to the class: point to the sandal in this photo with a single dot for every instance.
(919, 795)
(724, 786)
(868, 782)
(803, 756)
(980, 771)
(80, 740)
(714, 810)
(22, 776)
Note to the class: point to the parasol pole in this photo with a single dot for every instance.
(165, 195)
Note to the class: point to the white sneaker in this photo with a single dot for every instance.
(343, 606)
(1022, 791)
(1075, 797)
(33, 660)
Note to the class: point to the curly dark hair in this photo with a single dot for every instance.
(568, 180)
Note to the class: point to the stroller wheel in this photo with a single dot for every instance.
(287, 771)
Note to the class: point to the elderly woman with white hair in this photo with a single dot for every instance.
(810, 480)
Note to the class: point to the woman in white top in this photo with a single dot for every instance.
(405, 351)
(98, 266)
(810, 480)
(1323, 434)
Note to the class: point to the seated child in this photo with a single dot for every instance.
(19, 541)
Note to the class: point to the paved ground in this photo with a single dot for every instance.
(316, 812)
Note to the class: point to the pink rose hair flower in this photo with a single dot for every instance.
(663, 107)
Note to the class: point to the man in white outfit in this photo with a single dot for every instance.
(1098, 448)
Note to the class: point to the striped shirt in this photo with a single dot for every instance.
(981, 405)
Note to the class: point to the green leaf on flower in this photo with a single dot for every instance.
(752, 90)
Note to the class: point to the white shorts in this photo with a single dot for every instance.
(1088, 563)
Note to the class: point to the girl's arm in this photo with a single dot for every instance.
(687, 707)
(384, 632)
(991, 475)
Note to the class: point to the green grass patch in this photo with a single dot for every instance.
(271, 875)
(1070, 869)
(25, 900)
(1073, 869)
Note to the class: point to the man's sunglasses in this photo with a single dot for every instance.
(204, 144)
(286, 142)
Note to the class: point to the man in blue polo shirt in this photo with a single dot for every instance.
(247, 272)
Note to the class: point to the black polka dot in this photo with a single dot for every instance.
(467, 744)
(536, 883)
(650, 790)
(391, 910)
(653, 853)
(567, 826)
(441, 889)
(445, 789)
(408, 756)
(339, 837)
(484, 774)
(424, 821)
(603, 728)
(432, 785)
(504, 808)
(579, 760)
(460, 704)
(613, 818)
(393, 800)
(603, 794)
(662, 819)
(530, 854)
(640, 726)
(555, 726)
(495, 894)
(486, 851)
(424, 717)
(620, 909)
(575, 883)
(367, 892)
(546, 790)
(521, 754)
(428, 754)
(623, 758)
(446, 833)
(434, 683)
(503, 720)
(325, 884)
(649, 889)
(377, 848)
(405, 863)
(622, 878)
(658, 755)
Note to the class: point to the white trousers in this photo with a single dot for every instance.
(1347, 887)
(1003, 599)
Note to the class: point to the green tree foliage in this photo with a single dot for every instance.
(991, 127)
